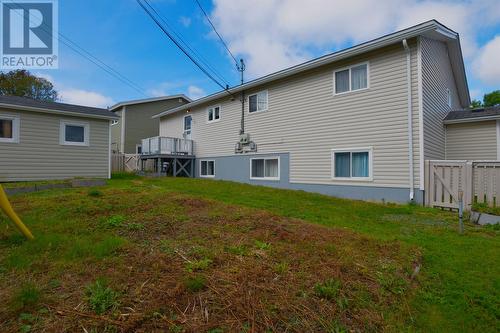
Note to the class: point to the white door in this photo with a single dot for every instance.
(187, 127)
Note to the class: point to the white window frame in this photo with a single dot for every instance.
(368, 150)
(208, 112)
(62, 133)
(207, 176)
(184, 126)
(367, 63)
(15, 127)
(255, 94)
(265, 159)
(448, 98)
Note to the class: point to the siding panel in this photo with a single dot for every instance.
(471, 141)
(39, 156)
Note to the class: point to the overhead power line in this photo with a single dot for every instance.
(90, 57)
(220, 37)
(182, 40)
(178, 44)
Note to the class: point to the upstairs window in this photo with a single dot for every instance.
(352, 164)
(9, 128)
(74, 133)
(351, 79)
(207, 169)
(448, 97)
(213, 114)
(257, 102)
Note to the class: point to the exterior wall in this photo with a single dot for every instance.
(437, 76)
(472, 141)
(139, 124)
(306, 120)
(116, 133)
(237, 168)
(40, 156)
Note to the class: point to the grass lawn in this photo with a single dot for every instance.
(191, 255)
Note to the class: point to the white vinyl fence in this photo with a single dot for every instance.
(479, 181)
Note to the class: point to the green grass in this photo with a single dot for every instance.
(456, 289)
(101, 297)
(459, 278)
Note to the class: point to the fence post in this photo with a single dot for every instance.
(468, 185)
(427, 187)
(460, 211)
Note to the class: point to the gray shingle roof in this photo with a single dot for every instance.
(473, 115)
(32, 104)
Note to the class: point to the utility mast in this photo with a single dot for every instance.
(245, 144)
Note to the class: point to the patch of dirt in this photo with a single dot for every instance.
(263, 274)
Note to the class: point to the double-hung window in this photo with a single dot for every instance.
(74, 133)
(9, 128)
(213, 114)
(352, 164)
(257, 102)
(265, 168)
(207, 168)
(351, 78)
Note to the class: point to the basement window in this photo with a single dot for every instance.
(352, 164)
(74, 133)
(9, 128)
(265, 168)
(207, 168)
(257, 102)
(213, 114)
(351, 78)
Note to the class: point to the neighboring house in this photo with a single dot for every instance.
(473, 134)
(358, 123)
(47, 140)
(135, 122)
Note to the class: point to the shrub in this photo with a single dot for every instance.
(100, 297)
(194, 283)
(328, 289)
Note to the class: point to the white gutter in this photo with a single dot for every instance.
(471, 120)
(410, 118)
(56, 111)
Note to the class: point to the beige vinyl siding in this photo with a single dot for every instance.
(40, 156)
(116, 132)
(471, 141)
(307, 120)
(437, 76)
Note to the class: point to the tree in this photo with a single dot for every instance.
(491, 99)
(24, 84)
(476, 104)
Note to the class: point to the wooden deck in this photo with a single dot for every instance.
(169, 156)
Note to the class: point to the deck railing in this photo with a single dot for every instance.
(161, 145)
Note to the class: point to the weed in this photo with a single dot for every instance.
(25, 328)
(167, 246)
(281, 268)
(174, 328)
(27, 297)
(195, 283)
(115, 220)
(328, 289)
(123, 175)
(94, 193)
(391, 282)
(100, 297)
(262, 245)
(135, 226)
(240, 250)
(215, 330)
(198, 265)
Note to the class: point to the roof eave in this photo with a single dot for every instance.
(55, 111)
(470, 120)
(148, 100)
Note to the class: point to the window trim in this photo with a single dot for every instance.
(368, 150)
(16, 121)
(184, 125)
(449, 100)
(367, 63)
(62, 133)
(265, 159)
(207, 176)
(208, 111)
(256, 94)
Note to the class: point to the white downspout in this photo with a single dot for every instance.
(410, 118)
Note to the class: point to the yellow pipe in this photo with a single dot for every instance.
(7, 209)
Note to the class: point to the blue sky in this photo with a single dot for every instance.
(269, 34)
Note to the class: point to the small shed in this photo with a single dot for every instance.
(473, 134)
(46, 140)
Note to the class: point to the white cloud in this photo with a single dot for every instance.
(85, 97)
(284, 32)
(487, 64)
(185, 21)
(195, 92)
